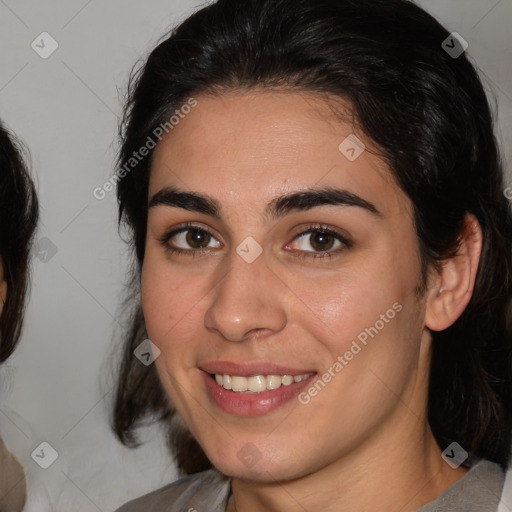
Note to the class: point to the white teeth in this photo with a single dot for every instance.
(238, 383)
(273, 381)
(257, 383)
(287, 380)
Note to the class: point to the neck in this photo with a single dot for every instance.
(388, 472)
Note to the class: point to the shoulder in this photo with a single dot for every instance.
(485, 478)
(478, 491)
(208, 488)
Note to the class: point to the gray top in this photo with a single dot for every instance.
(479, 490)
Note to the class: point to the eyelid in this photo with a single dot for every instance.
(323, 228)
(304, 230)
(184, 227)
(344, 240)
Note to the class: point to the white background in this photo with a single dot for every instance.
(57, 386)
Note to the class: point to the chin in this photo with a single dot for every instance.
(248, 463)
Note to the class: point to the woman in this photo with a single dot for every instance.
(18, 220)
(324, 259)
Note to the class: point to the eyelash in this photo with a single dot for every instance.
(316, 228)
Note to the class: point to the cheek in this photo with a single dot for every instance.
(358, 302)
(370, 318)
(166, 299)
(173, 307)
(166, 304)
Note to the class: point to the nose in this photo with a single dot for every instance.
(248, 301)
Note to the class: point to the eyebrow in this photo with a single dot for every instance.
(278, 207)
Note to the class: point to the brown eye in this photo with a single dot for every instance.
(189, 239)
(321, 241)
(197, 236)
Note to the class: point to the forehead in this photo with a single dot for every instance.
(256, 144)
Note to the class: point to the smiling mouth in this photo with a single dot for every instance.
(256, 383)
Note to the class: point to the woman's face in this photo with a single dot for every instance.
(315, 285)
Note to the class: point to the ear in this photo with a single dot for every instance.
(452, 287)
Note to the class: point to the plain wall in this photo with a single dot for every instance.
(57, 386)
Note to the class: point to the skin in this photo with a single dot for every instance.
(363, 443)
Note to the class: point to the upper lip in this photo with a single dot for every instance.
(248, 369)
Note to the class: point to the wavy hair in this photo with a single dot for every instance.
(19, 212)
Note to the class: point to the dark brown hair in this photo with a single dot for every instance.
(19, 213)
(428, 113)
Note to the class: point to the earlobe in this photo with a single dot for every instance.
(454, 284)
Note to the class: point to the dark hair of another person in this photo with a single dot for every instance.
(19, 212)
(430, 118)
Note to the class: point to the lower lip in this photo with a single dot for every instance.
(252, 404)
